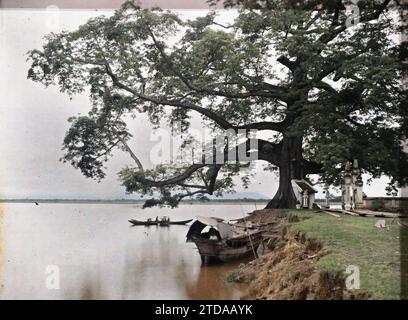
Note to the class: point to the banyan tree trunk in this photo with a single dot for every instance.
(290, 168)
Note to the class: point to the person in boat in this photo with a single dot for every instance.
(157, 219)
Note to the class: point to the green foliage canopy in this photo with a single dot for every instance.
(298, 71)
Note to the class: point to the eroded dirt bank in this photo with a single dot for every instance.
(289, 268)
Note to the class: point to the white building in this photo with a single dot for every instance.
(352, 186)
(304, 192)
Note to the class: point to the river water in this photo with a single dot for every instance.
(89, 251)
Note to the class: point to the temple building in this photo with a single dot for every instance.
(352, 187)
(354, 198)
(304, 192)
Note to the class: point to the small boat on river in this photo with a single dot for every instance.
(163, 222)
(219, 241)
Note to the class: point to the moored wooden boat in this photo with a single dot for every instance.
(219, 241)
(211, 250)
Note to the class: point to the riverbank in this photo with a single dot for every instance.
(310, 253)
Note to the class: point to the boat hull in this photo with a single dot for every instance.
(158, 223)
(143, 223)
(181, 222)
(213, 250)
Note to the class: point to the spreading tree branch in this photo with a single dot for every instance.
(224, 124)
(129, 150)
(271, 91)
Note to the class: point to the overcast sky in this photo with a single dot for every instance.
(33, 120)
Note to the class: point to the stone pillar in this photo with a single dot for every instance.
(357, 185)
(327, 195)
(305, 199)
(347, 187)
(348, 205)
(358, 198)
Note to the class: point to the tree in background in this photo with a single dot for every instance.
(327, 85)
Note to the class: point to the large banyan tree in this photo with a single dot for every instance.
(323, 79)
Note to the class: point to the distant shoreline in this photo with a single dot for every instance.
(130, 201)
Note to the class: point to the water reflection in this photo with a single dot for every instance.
(101, 257)
(211, 284)
(90, 288)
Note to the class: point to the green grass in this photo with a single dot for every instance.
(355, 241)
(232, 276)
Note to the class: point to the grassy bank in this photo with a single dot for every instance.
(355, 241)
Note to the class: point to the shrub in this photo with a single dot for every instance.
(233, 276)
(378, 205)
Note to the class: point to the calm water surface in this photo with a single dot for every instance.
(99, 256)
